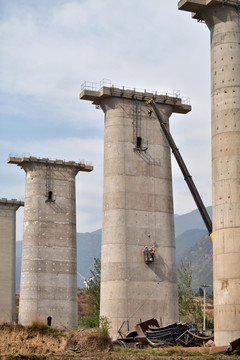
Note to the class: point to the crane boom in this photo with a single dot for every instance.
(183, 167)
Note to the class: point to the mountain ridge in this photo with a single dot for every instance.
(190, 235)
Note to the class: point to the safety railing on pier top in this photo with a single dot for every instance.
(107, 83)
(28, 155)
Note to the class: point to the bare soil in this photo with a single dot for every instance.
(26, 343)
(83, 308)
(20, 341)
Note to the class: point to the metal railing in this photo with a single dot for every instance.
(92, 86)
(29, 156)
(87, 85)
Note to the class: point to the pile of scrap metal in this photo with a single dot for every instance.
(150, 333)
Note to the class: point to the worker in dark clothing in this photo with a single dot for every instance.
(152, 252)
(146, 254)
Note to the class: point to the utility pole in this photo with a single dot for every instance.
(204, 307)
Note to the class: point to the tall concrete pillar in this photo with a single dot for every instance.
(8, 210)
(223, 20)
(48, 285)
(137, 210)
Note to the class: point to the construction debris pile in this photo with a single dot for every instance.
(150, 333)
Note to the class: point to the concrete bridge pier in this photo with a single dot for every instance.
(137, 210)
(8, 210)
(223, 21)
(48, 286)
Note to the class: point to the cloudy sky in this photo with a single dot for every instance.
(50, 47)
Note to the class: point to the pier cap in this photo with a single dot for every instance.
(197, 6)
(20, 161)
(13, 202)
(98, 95)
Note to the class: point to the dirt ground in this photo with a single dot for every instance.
(26, 343)
(44, 343)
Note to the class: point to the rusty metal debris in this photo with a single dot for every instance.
(234, 346)
(165, 336)
(150, 333)
(188, 338)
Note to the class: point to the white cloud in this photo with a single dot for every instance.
(97, 39)
(50, 47)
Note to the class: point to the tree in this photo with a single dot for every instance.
(93, 292)
(93, 288)
(188, 309)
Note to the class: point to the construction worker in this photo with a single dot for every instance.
(146, 254)
(152, 252)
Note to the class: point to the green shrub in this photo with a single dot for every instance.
(90, 321)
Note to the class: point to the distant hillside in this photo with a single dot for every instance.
(200, 254)
(189, 230)
(88, 248)
(186, 240)
(192, 220)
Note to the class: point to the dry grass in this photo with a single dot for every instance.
(40, 342)
(100, 340)
(17, 339)
(90, 340)
(39, 324)
(44, 340)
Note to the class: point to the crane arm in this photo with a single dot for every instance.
(183, 167)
